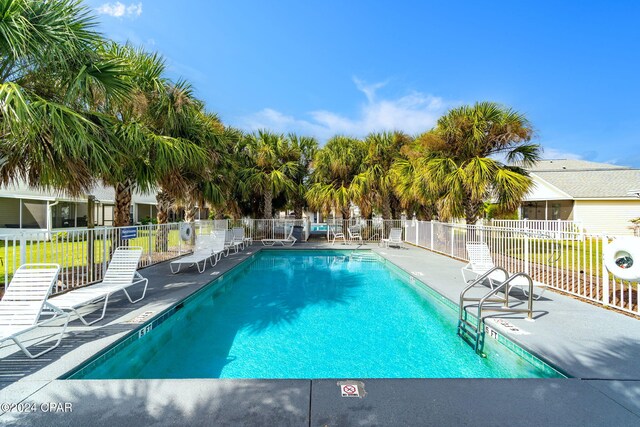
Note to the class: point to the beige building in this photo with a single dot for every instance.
(598, 195)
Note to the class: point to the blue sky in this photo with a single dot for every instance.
(326, 67)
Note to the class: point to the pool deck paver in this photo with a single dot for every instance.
(598, 347)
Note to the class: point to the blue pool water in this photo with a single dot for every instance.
(303, 314)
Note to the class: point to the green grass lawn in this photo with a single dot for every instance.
(572, 255)
(70, 253)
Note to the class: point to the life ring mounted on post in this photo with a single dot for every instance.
(185, 231)
(622, 258)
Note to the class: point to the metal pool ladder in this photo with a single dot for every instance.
(470, 326)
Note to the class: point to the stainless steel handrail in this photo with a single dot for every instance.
(506, 285)
(505, 308)
(478, 280)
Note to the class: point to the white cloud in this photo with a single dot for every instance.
(119, 10)
(368, 89)
(413, 113)
(553, 154)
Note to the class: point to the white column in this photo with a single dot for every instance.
(546, 210)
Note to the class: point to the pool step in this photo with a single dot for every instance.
(471, 333)
(364, 256)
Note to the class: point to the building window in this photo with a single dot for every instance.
(34, 214)
(63, 215)
(9, 213)
(555, 211)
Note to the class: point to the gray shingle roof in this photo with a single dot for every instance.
(582, 179)
(571, 164)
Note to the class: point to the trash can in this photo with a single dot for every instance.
(298, 233)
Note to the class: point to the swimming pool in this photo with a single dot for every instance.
(308, 314)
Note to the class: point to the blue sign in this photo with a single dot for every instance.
(129, 233)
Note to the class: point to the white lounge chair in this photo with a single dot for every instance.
(209, 247)
(121, 274)
(230, 243)
(238, 236)
(24, 301)
(394, 239)
(217, 247)
(355, 233)
(289, 239)
(480, 262)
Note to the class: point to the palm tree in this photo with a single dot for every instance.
(272, 164)
(412, 187)
(374, 184)
(476, 153)
(143, 154)
(50, 75)
(334, 168)
(306, 147)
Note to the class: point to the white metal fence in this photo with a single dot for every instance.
(83, 254)
(272, 228)
(566, 261)
(554, 227)
(371, 230)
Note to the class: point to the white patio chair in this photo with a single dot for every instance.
(120, 275)
(336, 232)
(355, 233)
(289, 239)
(23, 303)
(394, 239)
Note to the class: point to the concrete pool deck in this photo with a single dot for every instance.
(598, 347)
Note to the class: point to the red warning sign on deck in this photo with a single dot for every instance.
(349, 390)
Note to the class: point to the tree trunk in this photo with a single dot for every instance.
(366, 211)
(190, 210)
(163, 204)
(121, 212)
(190, 217)
(386, 207)
(122, 208)
(346, 212)
(268, 207)
(298, 209)
(472, 209)
(425, 213)
(396, 206)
